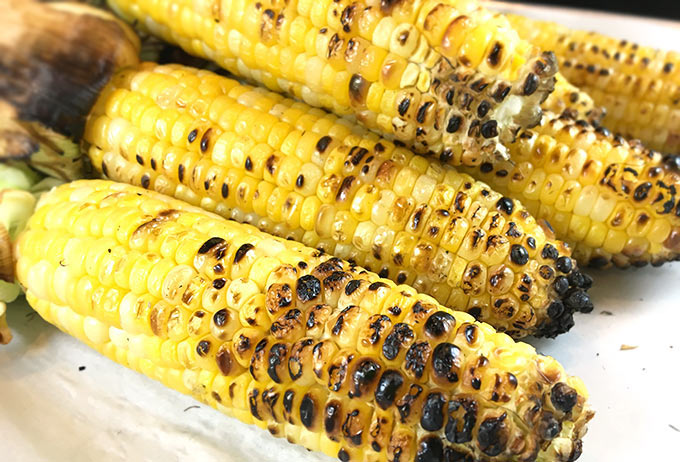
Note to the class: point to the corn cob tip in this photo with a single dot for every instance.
(571, 287)
(614, 201)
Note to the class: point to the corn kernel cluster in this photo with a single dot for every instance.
(307, 346)
(300, 173)
(639, 86)
(577, 103)
(614, 201)
(435, 75)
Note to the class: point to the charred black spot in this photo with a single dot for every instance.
(530, 84)
(454, 124)
(470, 334)
(400, 336)
(495, 55)
(483, 108)
(405, 403)
(205, 140)
(180, 172)
(430, 449)
(252, 401)
(343, 455)
(219, 283)
(446, 361)
(403, 106)
(307, 411)
(432, 418)
(486, 167)
(192, 135)
(331, 420)
(461, 435)
(145, 181)
(350, 430)
(422, 112)
(358, 87)
(563, 397)
(564, 264)
(505, 204)
(561, 285)
(578, 300)
(388, 387)
(277, 356)
(439, 324)
(288, 398)
(345, 187)
(449, 96)
(549, 252)
(475, 312)
(492, 435)
(323, 143)
(308, 288)
(221, 317)
(249, 164)
(549, 427)
(377, 285)
(417, 357)
(642, 191)
(519, 255)
(479, 85)
(351, 286)
(209, 244)
(555, 309)
(203, 348)
(242, 251)
(501, 93)
(363, 377)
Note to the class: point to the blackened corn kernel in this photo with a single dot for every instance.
(432, 418)
(439, 324)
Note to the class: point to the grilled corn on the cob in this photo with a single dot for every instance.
(614, 201)
(435, 75)
(254, 156)
(639, 86)
(276, 334)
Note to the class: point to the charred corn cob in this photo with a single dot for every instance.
(614, 201)
(307, 346)
(256, 157)
(639, 86)
(438, 76)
